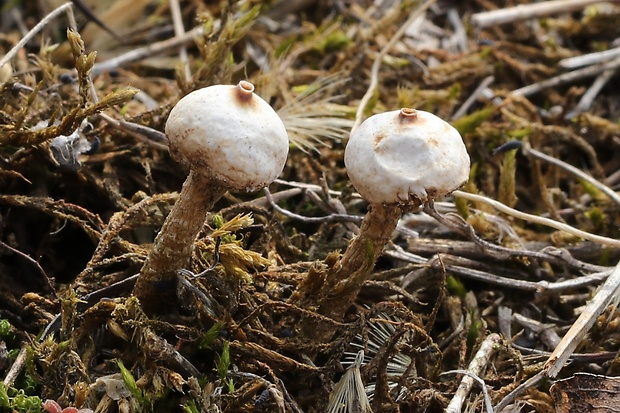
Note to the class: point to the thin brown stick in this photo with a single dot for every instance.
(587, 99)
(146, 51)
(522, 388)
(607, 294)
(28, 258)
(457, 265)
(484, 85)
(546, 332)
(458, 224)
(302, 218)
(151, 136)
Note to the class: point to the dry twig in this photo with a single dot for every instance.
(529, 151)
(17, 366)
(476, 367)
(376, 65)
(566, 78)
(589, 59)
(586, 100)
(528, 11)
(608, 294)
(538, 220)
(36, 29)
(179, 31)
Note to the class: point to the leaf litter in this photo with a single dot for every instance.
(479, 287)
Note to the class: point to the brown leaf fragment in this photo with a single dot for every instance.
(587, 393)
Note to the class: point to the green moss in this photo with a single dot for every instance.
(461, 207)
(336, 40)
(223, 361)
(191, 407)
(129, 381)
(598, 218)
(469, 123)
(18, 401)
(5, 328)
(593, 191)
(474, 331)
(507, 180)
(207, 339)
(455, 286)
(519, 134)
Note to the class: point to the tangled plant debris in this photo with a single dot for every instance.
(478, 299)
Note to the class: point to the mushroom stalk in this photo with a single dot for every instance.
(359, 259)
(174, 245)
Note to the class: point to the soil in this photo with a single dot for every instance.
(86, 183)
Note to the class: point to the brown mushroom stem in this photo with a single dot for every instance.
(174, 244)
(337, 291)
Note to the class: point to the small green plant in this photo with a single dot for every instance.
(223, 361)
(191, 407)
(230, 384)
(207, 339)
(222, 365)
(18, 401)
(455, 286)
(469, 123)
(5, 328)
(133, 388)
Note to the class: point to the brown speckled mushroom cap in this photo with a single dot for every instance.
(406, 155)
(229, 134)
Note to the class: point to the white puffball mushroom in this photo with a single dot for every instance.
(406, 155)
(230, 139)
(230, 134)
(397, 161)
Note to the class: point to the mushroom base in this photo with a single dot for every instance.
(332, 292)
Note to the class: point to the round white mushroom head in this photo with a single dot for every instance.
(228, 134)
(406, 156)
